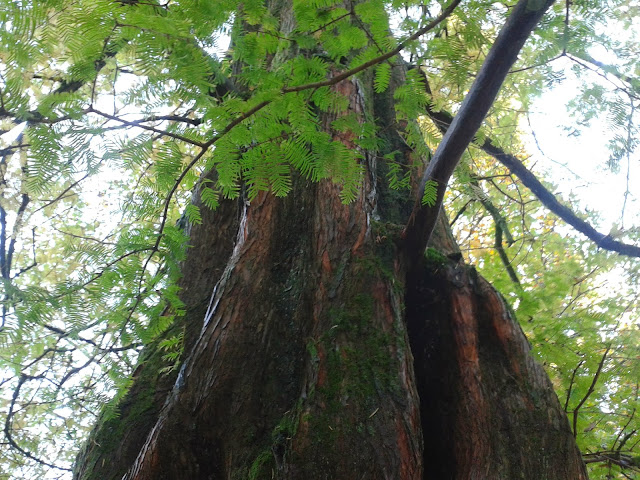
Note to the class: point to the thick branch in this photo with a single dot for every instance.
(525, 16)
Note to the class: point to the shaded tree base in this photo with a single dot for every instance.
(304, 369)
(488, 409)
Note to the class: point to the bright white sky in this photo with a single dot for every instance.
(578, 164)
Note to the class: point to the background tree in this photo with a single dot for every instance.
(304, 144)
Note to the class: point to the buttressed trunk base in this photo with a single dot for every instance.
(317, 357)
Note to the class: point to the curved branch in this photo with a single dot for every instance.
(8, 426)
(503, 54)
(592, 387)
(444, 120)
(549, 200)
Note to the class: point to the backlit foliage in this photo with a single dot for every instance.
(113, 109)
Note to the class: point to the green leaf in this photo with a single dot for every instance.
(430, 193)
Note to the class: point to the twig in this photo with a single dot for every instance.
(571, 383)
(592, 387)
(7, 425)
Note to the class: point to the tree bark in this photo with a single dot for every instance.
(310, 353)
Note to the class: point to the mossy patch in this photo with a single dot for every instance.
(262, 466)
(274, 454)
(360, 364)
(435, 258)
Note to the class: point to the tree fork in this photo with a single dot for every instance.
(503, 54)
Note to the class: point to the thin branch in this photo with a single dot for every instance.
(100, 273)
(549, 200)
(83, 237)
(348, 73)
(633, 82)
(64, 334)
(444, 121)
(139, 124)
(592, 387)
(491, 208)
(8, 150)
(3, 243)
(536, 65)
(602, 72)
(628, 149)
(627, 436)
(8, 427)
(460, 212)
(33, 250)
(616, 458)
(503, 255)
(571, 384)
(16, 227)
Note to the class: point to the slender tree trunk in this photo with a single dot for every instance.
(310, 354)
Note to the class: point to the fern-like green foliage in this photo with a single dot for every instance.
(430, 193)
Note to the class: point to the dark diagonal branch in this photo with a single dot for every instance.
(444, 120)
(612, 457)
(14, 236)
(8, 425)
(504, 257)
(34, 262)
(549, 200)
(491, 208)
(524, 17)
(501, 228)
(571, 384)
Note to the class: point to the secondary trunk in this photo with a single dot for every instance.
(311, 354)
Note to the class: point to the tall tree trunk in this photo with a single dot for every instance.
(309, 352)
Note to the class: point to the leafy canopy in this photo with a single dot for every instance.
(114, 110)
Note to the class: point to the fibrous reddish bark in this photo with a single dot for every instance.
(488, 410)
